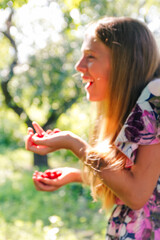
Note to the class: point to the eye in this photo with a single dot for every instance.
(90, 56)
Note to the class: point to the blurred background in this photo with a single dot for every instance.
(40, 43)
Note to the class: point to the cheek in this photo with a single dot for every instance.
(91, 66)
(102, 73)
(100, 87)
(102, 84)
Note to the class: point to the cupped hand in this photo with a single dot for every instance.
(52, 140)
(40, 133)
(67, 175)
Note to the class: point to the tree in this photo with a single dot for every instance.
(41, 87)
(57, 95)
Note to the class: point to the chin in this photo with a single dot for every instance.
(92, 98)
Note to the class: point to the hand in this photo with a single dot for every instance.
(44, 142)
(31, 146)
(68, 175)
(40, 133)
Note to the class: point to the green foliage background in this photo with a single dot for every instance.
(28, 214)
(46, 84)
(16, 3)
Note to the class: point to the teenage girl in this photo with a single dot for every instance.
(120, 65)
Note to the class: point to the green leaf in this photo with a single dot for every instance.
(71, 4)
(12, 3)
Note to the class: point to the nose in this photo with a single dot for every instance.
(81, 65)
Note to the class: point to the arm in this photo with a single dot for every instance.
(135, 186)
(53, 142)
(68, 175)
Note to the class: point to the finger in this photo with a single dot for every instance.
(56, 130)
(51, 182)
(40, 141)
(35, 173)
(29, 142)
(38, 129)
(41, 186)
(39, 149)
(49, 131)
(31, 146)
(30, 130)
(37, 184)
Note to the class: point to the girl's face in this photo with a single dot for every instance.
(95, 67)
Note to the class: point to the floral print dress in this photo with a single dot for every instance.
(142, 127)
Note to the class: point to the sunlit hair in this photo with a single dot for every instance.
(135, 62)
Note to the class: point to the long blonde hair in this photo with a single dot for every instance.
(135, 62)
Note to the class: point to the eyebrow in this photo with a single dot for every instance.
(87, 51)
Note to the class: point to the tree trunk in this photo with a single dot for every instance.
(40, 160)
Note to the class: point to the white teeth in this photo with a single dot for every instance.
(88, 84)
(86, 81)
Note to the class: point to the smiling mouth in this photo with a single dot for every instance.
(88, 84)
(87, 81)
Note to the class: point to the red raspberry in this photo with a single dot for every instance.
(47, 174)
(56, 130)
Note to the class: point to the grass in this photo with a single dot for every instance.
(27, 214)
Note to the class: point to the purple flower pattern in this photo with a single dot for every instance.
(142, 127)
(135, 124)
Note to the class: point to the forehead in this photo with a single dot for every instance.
(88, 42)
(92, 43)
